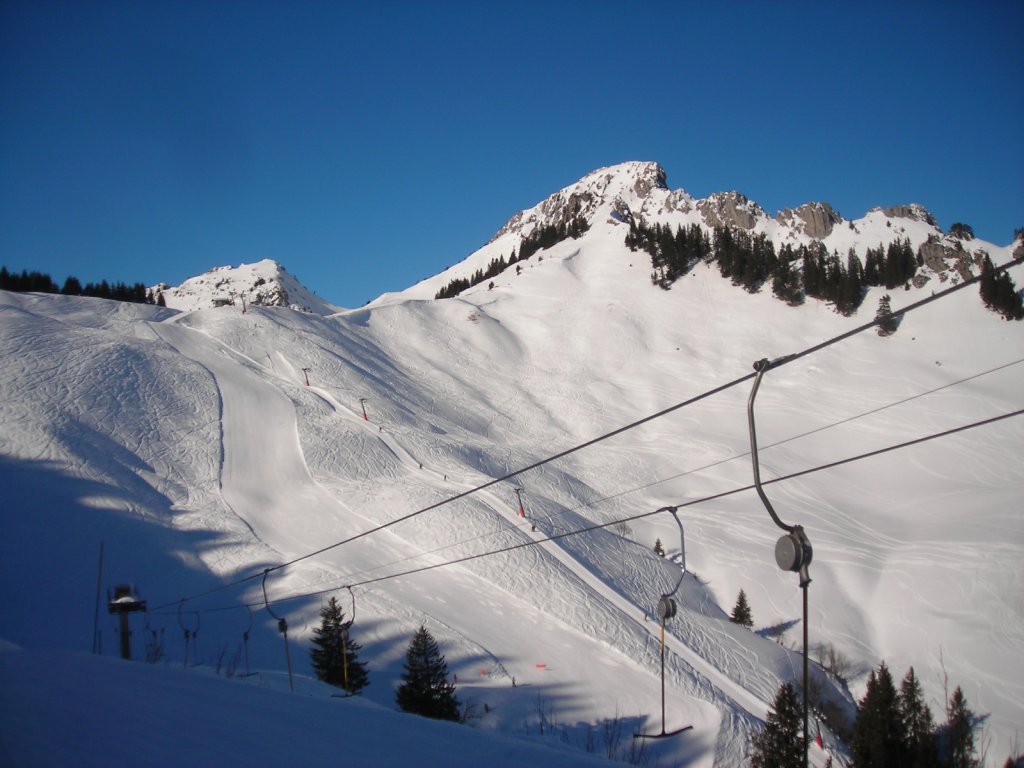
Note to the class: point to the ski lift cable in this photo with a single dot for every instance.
(613, 433)
(643, 515)
(611, 497)
(793, 438)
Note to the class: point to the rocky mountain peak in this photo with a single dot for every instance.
(617, 188)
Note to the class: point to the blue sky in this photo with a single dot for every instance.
(368, 145)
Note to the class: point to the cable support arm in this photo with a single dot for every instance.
(793, 552)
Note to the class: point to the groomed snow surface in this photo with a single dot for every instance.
(189, 445)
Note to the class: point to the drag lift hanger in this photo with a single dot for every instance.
(344, 638)
(190, 634)
(282, 627)
(667, 608)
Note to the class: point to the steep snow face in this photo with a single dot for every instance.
(263, 284)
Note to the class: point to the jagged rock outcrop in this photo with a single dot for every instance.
(730, 209)
(912, 211)
(818, 219)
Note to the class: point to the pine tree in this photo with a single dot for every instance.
(960, 732)
(72, 286)
(425, 689)
(878, 737)
(887, 323)
(659, 550)
(741, 612)
(335, 657)
(780, 744)
(916, 717)
(999, 292)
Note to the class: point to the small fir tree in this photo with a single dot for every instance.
(781, 743)
(425, 689)
(335, 655)
(878, 737)
(741, 611)
(960, 732)
(659, 550)
(922, 748)
(887, 323)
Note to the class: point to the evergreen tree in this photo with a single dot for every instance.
(960, 732)
(659, 550)
(878, 737)
(72, 286)
(922, 748)
(999, 292)
(425, 689)
(785, 279)
(781, 744)
(874, 266)
(887, 323)
(741, 611)
(335, 657)
(962, 231)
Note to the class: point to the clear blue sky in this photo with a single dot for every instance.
(368, 145)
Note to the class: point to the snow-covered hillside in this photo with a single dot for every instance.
(263, 284)
(189, 444)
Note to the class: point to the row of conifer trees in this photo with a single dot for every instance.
(40, 282)
(795, 273)
(894, 727)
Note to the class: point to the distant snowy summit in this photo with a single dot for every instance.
(635, 191)
(263, 284)
(607, 203)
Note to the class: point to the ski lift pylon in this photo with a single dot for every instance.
(667, 608)
(793, 551)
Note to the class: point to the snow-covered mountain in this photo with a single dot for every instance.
(637, 192)
(263, 284)
(189, 444)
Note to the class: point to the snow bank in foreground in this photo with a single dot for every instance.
(67, 709)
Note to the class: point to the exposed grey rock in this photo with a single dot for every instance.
(678, 200)
(652, 177)
(818, 219)
(913, 211)
(933, 254)
(729, 209)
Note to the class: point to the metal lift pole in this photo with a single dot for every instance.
(793, 552)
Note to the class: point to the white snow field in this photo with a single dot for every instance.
(189, 445)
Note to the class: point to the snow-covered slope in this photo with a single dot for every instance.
(264, 284)
(190, 445)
